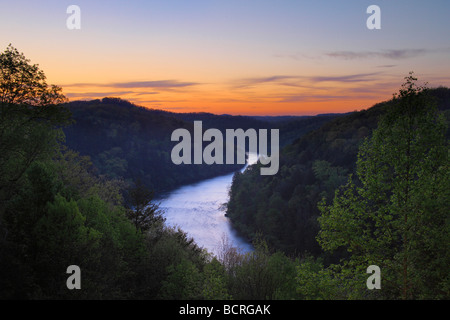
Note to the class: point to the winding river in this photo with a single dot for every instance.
(198, 209)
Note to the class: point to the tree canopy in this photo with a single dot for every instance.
(29, 111)
(395, 214)
(56, 210)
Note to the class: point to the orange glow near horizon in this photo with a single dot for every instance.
(233, 57)
(264, 100)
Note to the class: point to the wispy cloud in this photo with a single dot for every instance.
(104, 94)
(139, 92)
(375, 90)
(279, 79)
(305, 81)
(392, 54)
(269, 79)
(153, 84)
(386, 54)
(297, 56)
(324, 97)
(387, 66)
(159, 84)
(358, 77)
(311, 98)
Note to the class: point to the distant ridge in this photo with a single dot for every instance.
(126, 141)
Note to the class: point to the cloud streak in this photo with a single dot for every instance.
(391, 54)
(279, 79)
(366, 91)
(386, 54)
(305, 81)
(153, 84)
(358, 77)
(104, 94)
(387, 66)
(159, 84)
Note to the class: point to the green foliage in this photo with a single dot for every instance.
(183, 282)
(317, 283)
(214, 281)
(396, 217)
(80, 180)
(328, 176)
(48, 232)
(259, 274)
(144, 213)
(61, 239)
(29, 113)
(127, 142)
(283, 207)
(57, 210)
(169, 248)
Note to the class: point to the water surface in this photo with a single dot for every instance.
(198, 209)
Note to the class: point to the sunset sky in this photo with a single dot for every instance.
(261, 57)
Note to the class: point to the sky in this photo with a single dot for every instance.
(253, 57)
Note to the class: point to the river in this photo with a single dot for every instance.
(198, 209)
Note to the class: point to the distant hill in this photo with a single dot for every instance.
(128, 142)
(290, 118)
(283, 207)
(278, 118)
(296, 127)
(220, 122)
(291, 127)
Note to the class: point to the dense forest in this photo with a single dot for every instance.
(370, 186)
(60, 207)
(88, 201)
(127, 142)
(57, 211)
(284, 207)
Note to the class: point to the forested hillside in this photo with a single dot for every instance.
(57, 212)
(367, 189)
(283, 208)
(127, 142)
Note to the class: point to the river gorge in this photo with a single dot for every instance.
(199, 210)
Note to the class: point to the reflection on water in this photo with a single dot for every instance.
(198, 209)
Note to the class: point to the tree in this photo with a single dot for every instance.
(24, 84)
(183, 282)
(77, 174)
(61, 239)
(314, 282)
(214, 281)
(144, 213)
(395, 214)
(29, 110)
